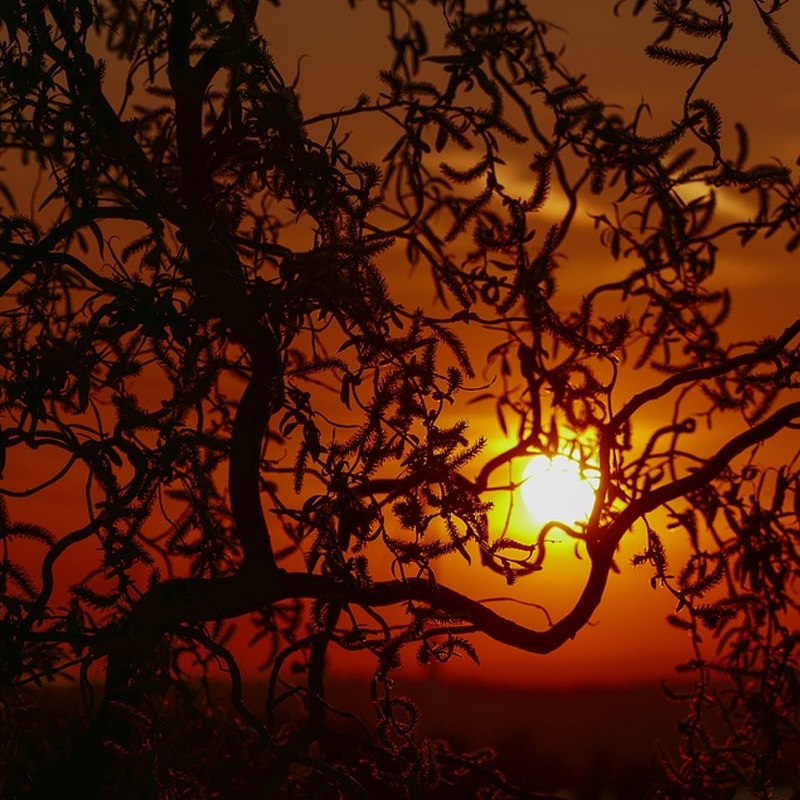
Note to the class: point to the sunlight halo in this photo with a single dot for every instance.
(558, 489)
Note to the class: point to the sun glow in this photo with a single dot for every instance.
(558, 489)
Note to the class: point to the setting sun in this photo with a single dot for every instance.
(558, 489)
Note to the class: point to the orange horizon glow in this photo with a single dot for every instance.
(628, 641)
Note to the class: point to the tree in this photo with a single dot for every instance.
(200, 343)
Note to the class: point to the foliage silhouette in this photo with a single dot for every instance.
(200, 344)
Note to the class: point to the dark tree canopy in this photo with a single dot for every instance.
(200, 342)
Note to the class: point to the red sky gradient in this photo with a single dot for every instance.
(629, 641)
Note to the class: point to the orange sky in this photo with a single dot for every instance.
(628, 640)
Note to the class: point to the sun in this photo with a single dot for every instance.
(558, 489)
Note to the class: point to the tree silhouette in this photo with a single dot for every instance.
(200, 346)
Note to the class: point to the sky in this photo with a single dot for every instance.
(337, 53)
(628, 640)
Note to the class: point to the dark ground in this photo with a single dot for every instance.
(582, 744)
(587, 744)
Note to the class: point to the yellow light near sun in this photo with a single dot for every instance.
(557, 489)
